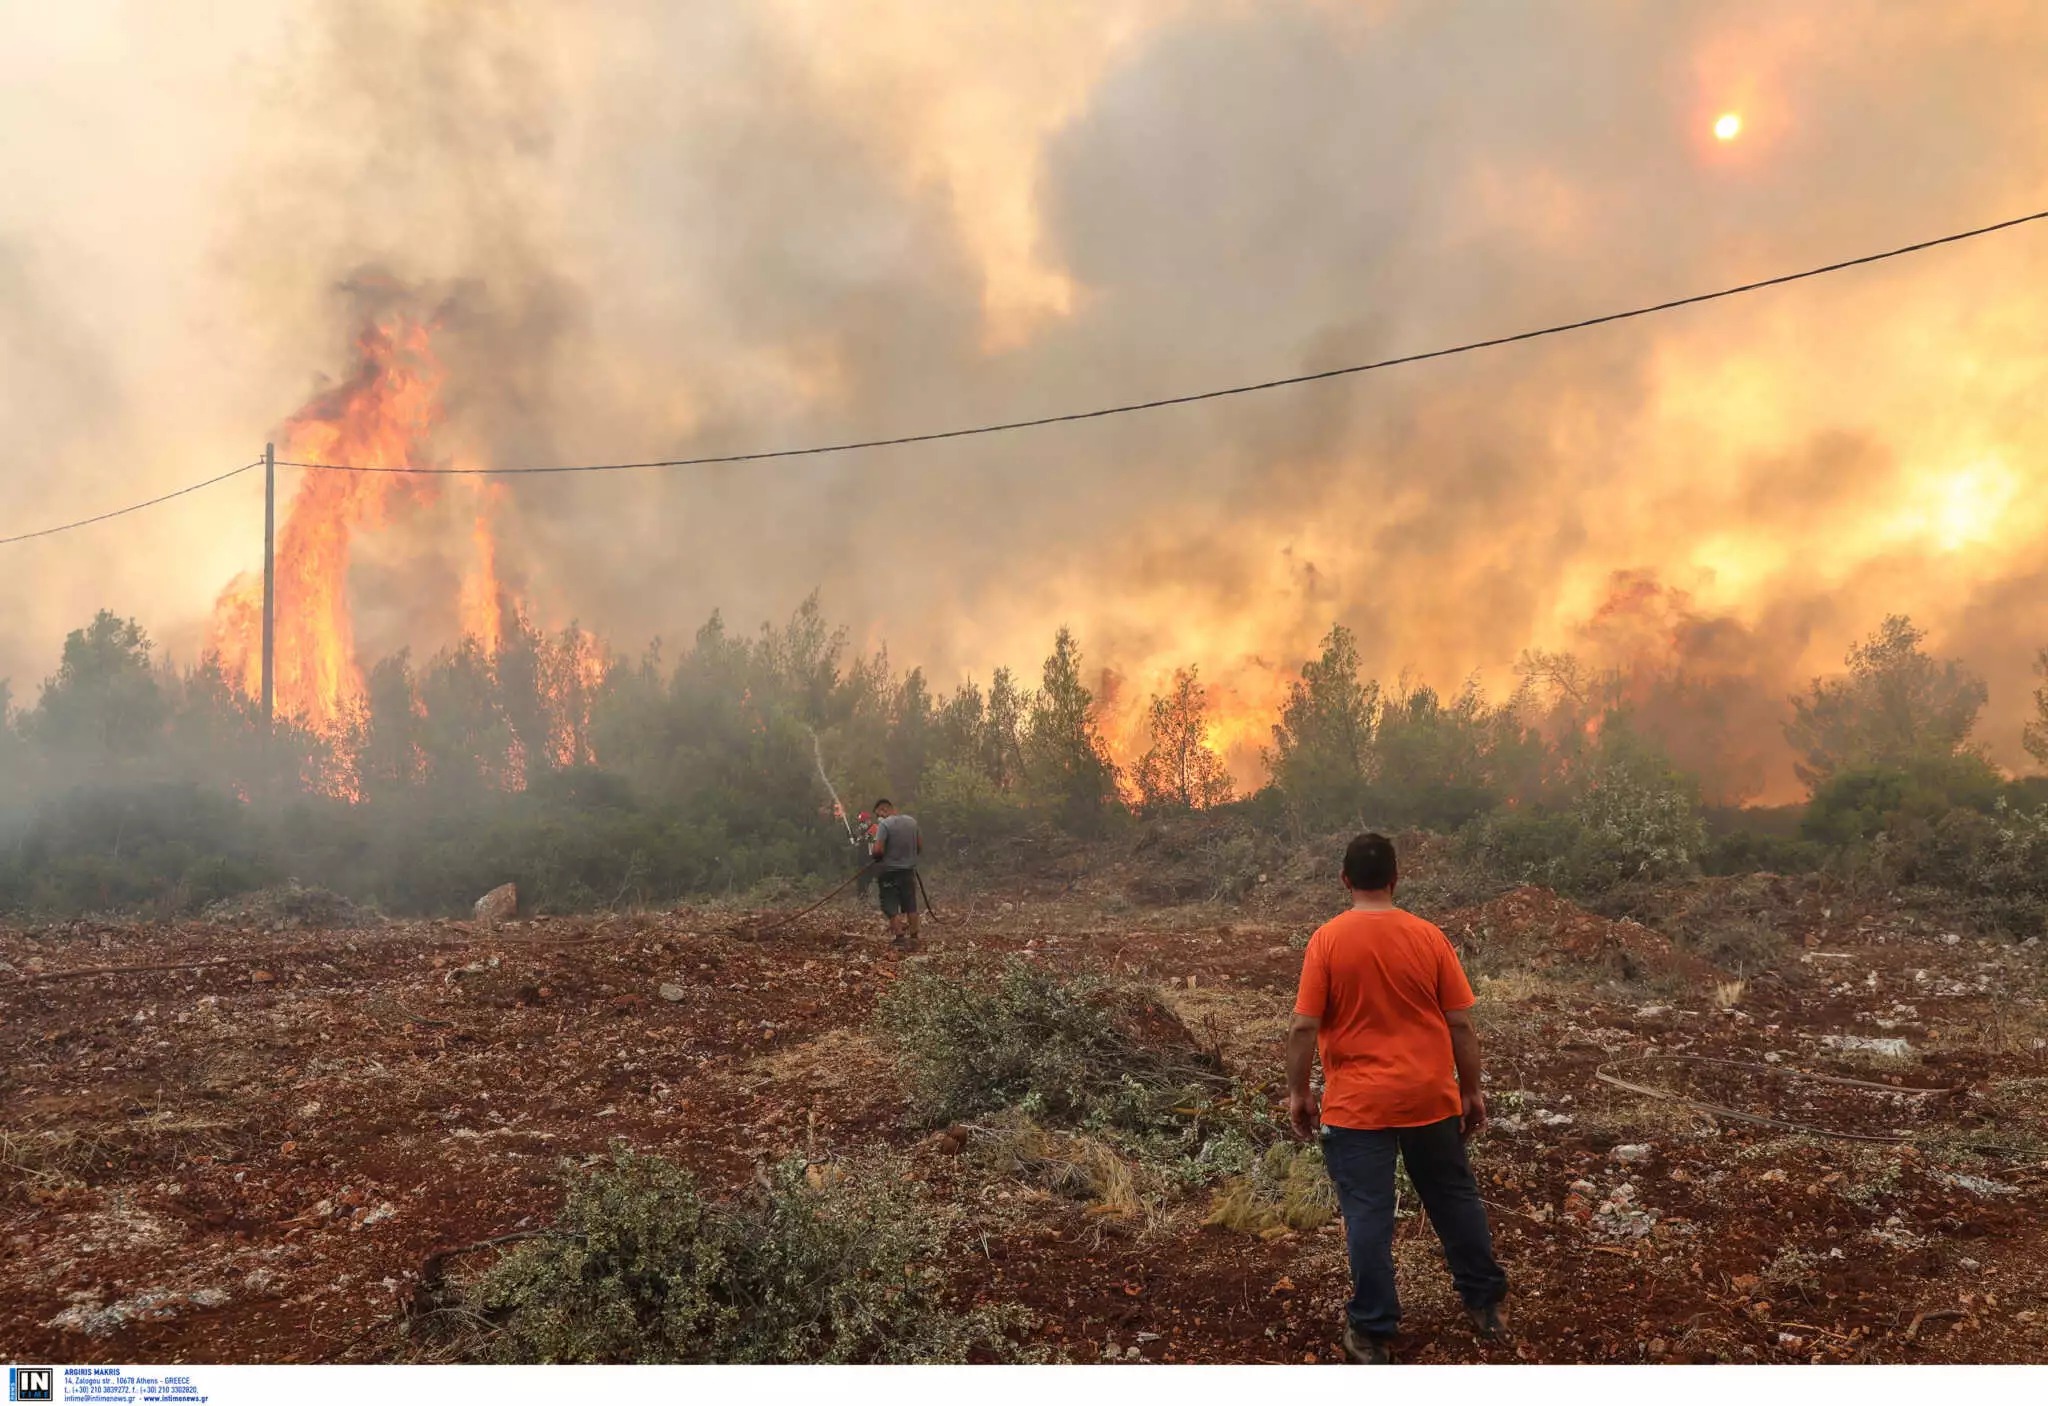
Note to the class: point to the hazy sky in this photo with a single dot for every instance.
(668, 229)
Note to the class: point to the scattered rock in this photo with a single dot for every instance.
(1888, 1047)
(1631, 1152)
(671, 992)
(500, 904)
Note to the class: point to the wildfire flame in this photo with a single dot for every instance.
(384, 413)
(387, 412)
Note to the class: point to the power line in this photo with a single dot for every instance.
(1073, 416)
(135, 507)
(1407, 360)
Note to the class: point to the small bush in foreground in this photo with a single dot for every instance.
(984, 1038)
(645, 1269)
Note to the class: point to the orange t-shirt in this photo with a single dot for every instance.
(1380, 982)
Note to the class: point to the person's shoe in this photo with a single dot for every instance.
(1486, 1324)
(1371, 1349)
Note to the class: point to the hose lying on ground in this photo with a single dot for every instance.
(1605, 1075)
(842, 887)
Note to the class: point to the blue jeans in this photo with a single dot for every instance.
(1361, 1165)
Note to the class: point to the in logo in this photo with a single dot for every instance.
(31, 1384)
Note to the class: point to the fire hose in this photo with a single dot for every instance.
(924, 894)
(1606, 1075)
(841, 887)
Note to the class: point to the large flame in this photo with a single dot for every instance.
(386, 413)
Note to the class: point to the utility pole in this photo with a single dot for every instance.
(269, 584)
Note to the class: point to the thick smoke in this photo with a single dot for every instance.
(658, 230)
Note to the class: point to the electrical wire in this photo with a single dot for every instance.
(1197, 396)
(134, 507)
(1101, 412)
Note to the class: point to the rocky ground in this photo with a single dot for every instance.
(241, 1139)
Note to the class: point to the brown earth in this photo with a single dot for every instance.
(251, 1161)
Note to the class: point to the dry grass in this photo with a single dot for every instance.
(1637, 1119)
(41, 1161)
(1246, 1029)
(1073, 1165)
(37, 1164)
(1290, 1190)
(2016, 1026)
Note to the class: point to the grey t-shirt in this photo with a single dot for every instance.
(897, 835)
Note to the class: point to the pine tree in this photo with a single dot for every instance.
(1065, 763)
(1322, 752)
(1181, 769)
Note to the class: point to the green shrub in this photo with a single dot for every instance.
(1852, 808)
(982, 1037)
(1631, 819)
(1996, 863)
(1641, 817)
(645, 1269)
(962, 810)
(1749, 852)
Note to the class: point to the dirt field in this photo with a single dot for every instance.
(252, 1160)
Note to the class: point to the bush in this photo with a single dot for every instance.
(1643, 818)
(985, 1038)
(961, 810)
(1633, 820)
(642, 1268)
(1852, 808)
(1748, 852)
(1996, 863)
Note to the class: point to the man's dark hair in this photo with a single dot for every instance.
(885, 801)
(1369, 863)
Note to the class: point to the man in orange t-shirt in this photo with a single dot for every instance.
(1384, 999)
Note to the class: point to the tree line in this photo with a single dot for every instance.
(129, 782)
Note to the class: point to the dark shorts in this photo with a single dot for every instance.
(898, 888)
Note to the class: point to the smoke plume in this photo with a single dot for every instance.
(651, 230)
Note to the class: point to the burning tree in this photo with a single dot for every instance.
(1181, 769)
